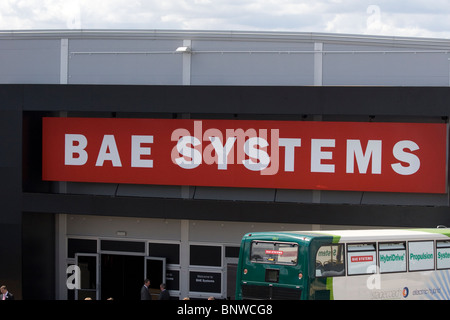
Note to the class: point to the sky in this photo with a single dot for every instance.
(412, 18)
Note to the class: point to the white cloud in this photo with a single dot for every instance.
(394, 18)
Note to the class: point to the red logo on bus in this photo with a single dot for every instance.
(276, 252)
(362, 259)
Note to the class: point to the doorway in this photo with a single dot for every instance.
(88, 286)
(121, 276)
(155, 271)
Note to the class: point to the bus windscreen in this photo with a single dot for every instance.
(274, 252)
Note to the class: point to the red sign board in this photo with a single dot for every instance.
(359, 156)
(275, 252)
(362, 259)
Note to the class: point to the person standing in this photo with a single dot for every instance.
(164, 295)
(145, 293)
(6, 295)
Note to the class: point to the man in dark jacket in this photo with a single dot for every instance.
(145, 293)
(164, 295)
(5, 294)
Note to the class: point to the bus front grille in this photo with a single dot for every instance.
(255, 292)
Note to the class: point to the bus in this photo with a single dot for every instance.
(373, 264)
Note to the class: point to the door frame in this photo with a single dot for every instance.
(164, 267)
(97, 274)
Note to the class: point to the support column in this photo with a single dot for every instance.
(184, 259)
(318, 64)
(60, 219)
(186, 81)
(187, 64)
(64, 65)
(318, 81)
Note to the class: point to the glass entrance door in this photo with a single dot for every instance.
(155, 271)
(89, 276)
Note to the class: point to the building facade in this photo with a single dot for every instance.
(64, 92)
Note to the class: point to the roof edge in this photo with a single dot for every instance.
(224, 34)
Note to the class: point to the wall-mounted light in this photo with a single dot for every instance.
(183, 50)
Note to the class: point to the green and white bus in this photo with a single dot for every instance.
(345, 264)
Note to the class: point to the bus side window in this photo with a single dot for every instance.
(392, 257)
(330, 261)
(443, 254)
(362, 258)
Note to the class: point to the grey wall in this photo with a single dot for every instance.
(29, 61)
(220, 58)
(124, 61)
(384, 66)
